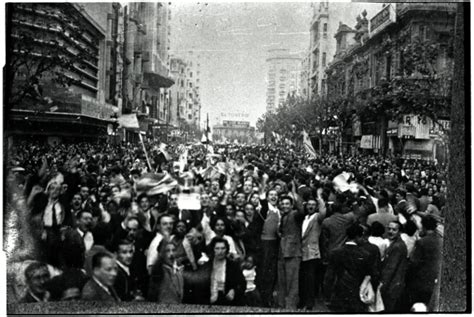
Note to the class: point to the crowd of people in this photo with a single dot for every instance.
(270, 227)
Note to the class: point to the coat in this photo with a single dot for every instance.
(124, 284)
(234, 279)
(425, 263)
(348, 266)
(93, 292)
(290, 231)
(393, 273)
(333, 232)
(166, 286)
(310, 241)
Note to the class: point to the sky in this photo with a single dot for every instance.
(233, 40)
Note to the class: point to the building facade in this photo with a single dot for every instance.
(192, 113)
(109, 60)
(393, 78)
(231, 131)
(304, 82)
(56, 72)
(283, 76)
(324, 25)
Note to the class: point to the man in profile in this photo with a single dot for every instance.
(101, 286)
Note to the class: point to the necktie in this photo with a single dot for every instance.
(54, 220)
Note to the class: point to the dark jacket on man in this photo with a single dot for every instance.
(393, 273)
(348, 265)
(94, 292)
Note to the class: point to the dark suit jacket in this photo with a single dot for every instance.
(393, 269)
(28, 299)
(166, 287)
(92, 291)
(290, 230)
(333, 232)
(70, 278)
(124, 284)
(252, 237)
(348, 265)
(425, 263)
(233, 280)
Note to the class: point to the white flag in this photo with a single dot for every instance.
(308, 146)
(129, 121)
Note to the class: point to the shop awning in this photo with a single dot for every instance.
(156, 81)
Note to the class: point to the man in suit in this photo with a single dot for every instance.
(101, 286)
(311, 267)
(333, 228)
(393, 269)
(84, 226)
(37, 276)
(289, 256)
(425, 263)
(125, 282)
(347, 268)
(402, 205)
(164, 230)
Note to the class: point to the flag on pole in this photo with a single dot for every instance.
(129, 121)
(308, 146)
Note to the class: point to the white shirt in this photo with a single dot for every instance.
(250, 276)
(381, 243)
(88, 239)
(152, 254)
(48, 213)
(409, 242)
(306, 222)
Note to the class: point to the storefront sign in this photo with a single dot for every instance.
(240, 124)
(440, 127)
(366, 142)
(406, 131)
(385, 17)
(392, 132)
(420, 124)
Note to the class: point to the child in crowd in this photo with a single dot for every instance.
(252, 296)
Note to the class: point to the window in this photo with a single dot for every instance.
(190, 116)
(190, 85)
(190, 106)
(190, 96)
(191, 74)
(324, 59)
(325, 30)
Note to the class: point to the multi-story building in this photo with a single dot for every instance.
(324, 25)
(233, 130)
(304, 83)
(283, 76)
(146, 74)
(110, 60)
(178, 96)
(394, 77)
(57, 83)
(193, 89)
